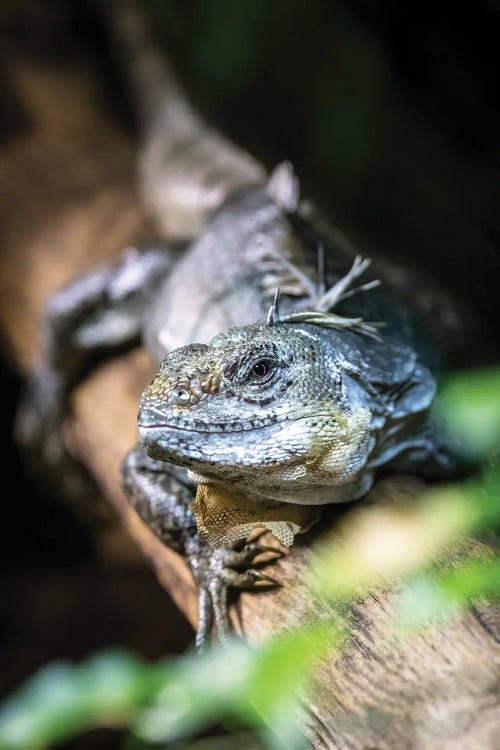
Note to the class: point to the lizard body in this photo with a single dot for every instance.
(337, 398)
(299, 408)
(333, 402)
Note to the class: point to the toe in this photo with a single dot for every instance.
(218, 594)
(205, 619)
(254, 553)
(249, 579)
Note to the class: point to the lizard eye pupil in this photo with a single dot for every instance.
(180, 396)
(260, 369)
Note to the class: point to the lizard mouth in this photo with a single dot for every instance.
(205, 445)
(154, 418)
(207, 429)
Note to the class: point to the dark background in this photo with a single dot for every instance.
(390, 114)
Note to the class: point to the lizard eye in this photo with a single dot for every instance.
(253, 372)
(179, 396)
(260, 370)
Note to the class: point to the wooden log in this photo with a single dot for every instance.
(69, 202)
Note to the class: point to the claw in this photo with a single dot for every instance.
(274, 546)
(257, 554)
(270, 548)
(267, 558)
(249, 579)
(265, 555)
(256, 534)
(227, 568)
(263, 578)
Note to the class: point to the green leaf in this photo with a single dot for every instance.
(432, 597)
(280, 672)
(196, 690)
(381, 542)
(48, 709)
(259, 686)
(62, 700)
(470, 406)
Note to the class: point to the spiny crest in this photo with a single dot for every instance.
(323, 300)
(283, 187)
(273, 316)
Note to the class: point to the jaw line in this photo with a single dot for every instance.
(182, 456)
(290, 415)
(181, 428)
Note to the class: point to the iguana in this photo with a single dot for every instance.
(279, 403)
(297, 409)
(300, 408)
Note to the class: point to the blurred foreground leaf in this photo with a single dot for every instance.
(259, 686)
(470, 405)
(429, 598)
(62, 700)
(170, 700)
(382, 543)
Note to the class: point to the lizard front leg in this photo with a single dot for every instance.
(85, 321)
(162, 495)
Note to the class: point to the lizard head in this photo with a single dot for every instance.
(263, 408)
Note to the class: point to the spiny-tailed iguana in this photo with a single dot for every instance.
(299, 408)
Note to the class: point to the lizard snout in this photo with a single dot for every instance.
(152, 415)
(184, 385)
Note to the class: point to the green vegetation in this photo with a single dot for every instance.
(254, 691)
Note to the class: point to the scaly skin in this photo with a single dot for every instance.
(292, 412)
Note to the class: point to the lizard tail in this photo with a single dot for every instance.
(187, 169)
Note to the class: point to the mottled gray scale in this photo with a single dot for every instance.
(219, 283)
(303, 415)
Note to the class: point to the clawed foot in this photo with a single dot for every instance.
(216, 571)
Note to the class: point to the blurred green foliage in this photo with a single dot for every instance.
(258, 688)
(470, 404)
(166, 701)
